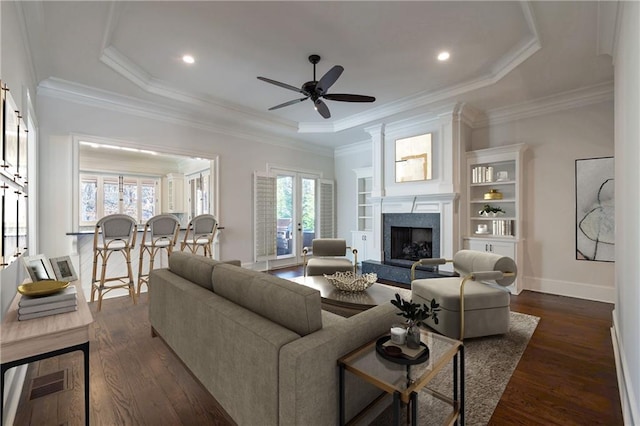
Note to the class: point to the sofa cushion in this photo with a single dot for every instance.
(291, 305)
(446, 291)
(195, 268)
(468, 261)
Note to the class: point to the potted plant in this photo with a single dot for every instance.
(415, 315)
(489, 210)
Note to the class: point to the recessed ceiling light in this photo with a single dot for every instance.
(188, 59)
(443, 56)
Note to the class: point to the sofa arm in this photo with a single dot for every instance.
(309, 374)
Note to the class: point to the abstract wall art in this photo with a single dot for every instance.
(595, 208)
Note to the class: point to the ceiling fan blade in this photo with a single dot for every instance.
(322, 108)
(329, 78)
(285, 85)
(295, 101)
(345, 97)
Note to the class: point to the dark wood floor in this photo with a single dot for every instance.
(566, 375)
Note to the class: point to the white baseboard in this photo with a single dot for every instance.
(14, 382)
(570, 289)
(628, 401)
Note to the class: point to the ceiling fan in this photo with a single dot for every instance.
(316, 90)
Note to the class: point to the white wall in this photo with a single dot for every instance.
(16, 73)
(238, 159)
(554, 142)
(627, 268)
(346, 160)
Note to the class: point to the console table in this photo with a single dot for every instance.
(23, 342)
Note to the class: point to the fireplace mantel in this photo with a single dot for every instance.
(428, 203)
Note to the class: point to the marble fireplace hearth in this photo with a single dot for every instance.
(401, 274)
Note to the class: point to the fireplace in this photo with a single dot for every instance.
(409, 243)
(408, 237)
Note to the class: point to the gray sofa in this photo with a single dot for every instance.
(261, 345)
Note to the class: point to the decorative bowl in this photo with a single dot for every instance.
(42, 288)
(491, 214)
(493, 194)
(348, 281)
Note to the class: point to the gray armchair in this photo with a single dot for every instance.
(474, 304)
(328, 255)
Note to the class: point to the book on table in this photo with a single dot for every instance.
(30, 307)
(68, 293)
(47, 312)
(47, 306)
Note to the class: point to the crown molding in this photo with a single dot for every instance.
(547, 105)
(89, 96)
(26, 39)
(362, 147)
(120, 63)
(518, 55)
(607, 24)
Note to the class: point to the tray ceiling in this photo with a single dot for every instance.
(501, 53)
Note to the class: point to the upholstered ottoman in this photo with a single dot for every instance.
(486, 309)
(486, 304)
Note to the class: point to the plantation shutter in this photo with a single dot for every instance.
(326, 209)
(265, 217)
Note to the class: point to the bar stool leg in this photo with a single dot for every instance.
(93, 274)
(103, 276)
(132, 292)
(140, 262)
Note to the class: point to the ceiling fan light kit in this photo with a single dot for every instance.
(317, 89)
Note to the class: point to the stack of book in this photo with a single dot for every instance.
(502, 227)
(30, 307)
(482, 174)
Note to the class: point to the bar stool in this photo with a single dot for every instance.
(115, 233)
(203, 228)
(163, 233)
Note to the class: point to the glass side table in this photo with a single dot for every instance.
(403, 380)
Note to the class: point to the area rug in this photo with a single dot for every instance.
(489, 364)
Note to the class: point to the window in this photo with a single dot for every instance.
(105, 194)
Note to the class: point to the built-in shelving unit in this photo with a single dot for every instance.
(498, 170)
(362, 236)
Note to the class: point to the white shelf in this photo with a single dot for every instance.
(505, 182)
(483, 201)
(489, 164)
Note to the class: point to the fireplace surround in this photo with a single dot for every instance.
(407, 237)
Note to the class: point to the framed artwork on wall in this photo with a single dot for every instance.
(10, 135)
(13, 183)
(595, 209)
(413, 157)
(63, 269)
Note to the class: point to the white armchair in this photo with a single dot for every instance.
(474, 304)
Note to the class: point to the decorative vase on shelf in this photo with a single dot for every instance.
(413, 336)
(493, 194)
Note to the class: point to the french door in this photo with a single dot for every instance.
(291, 209)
